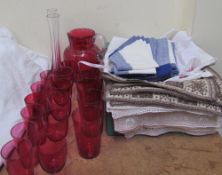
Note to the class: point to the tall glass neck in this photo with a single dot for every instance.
(53, 21)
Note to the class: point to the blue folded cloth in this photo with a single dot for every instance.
(160, 51)
(163, 73)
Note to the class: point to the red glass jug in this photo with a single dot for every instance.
(85, 45)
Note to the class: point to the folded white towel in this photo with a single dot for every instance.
(113, 45)
(139, 55)
(19, 67)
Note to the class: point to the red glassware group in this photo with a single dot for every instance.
(88, 119)
(41, 136)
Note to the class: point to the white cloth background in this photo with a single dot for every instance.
(19, 67)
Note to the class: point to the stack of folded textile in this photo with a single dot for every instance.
(156, 86)
(144, 58)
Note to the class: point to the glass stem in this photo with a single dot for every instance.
(53, 21)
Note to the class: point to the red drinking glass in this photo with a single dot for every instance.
(88, 74)
(44, 74)
(36, 98)
(60, 112)
(16, 154)
(35, 123)
(91, 113)
(89, 97)
(57, 130)
(19, 131)
(33, 112)
(37, 86)
(36, 131)
(61, 73)
(88, 147)
(89, 128)
(59, 95)
(52, 155)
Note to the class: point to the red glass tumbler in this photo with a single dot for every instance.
(60, 112)
(16, 154)
(91, 113)
(35, 123)
(33, 112)
(19, 131)
(88, 147)
(37, 86)
(44, 74)
(52, 155)
(57, 130)
(36, 98)
(90, 128)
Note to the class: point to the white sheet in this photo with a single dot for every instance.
(19, 67)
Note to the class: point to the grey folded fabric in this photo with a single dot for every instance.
(203, 95)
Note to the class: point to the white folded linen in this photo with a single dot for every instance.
(113, 45)
(138, 55)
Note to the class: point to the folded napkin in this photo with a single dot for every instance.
(128, 61)
(133, 56)
(19, 67)
(138, 55)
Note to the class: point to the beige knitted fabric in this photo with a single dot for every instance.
(202, 95)
(164, 130)
(169, 119)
